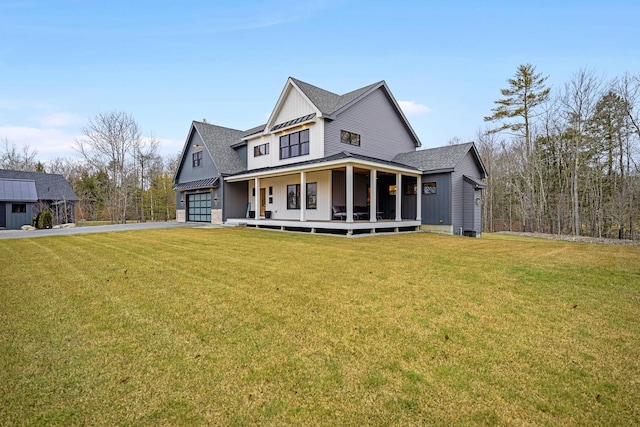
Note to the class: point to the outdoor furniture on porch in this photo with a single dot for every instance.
(360, 212)
(339, 212)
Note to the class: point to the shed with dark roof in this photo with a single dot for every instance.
(24, 194)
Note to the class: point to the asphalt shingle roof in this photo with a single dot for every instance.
(432, 159)
(329, 102)
(218, 140)
(48, 186)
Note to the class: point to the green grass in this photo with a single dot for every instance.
(238, 327)
(96, 223)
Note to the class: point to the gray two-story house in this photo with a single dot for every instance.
(329, 162)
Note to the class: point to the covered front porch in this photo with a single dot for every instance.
(348, 195)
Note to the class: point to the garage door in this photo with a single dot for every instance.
(199, 207)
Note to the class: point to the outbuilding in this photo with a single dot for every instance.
(24, 194)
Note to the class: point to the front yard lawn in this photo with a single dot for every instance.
(251, 327)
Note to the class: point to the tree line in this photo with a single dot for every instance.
(559, 160)
(565, 160)
(119, 175)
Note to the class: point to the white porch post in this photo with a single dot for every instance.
(419, 198)
(373, 200)
(303, 196)
(398, 197)
(256, 198)
(349, 183)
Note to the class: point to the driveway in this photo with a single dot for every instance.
(20, 234)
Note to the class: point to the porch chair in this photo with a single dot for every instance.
(339, 213)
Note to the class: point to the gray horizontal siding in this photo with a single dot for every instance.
(382, 131)
(462, 198)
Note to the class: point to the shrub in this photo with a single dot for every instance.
(44, 219)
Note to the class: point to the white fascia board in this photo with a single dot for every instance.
(322, 166)
(290, 85)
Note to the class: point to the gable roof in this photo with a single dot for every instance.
(48, 186)
(18, 190)
(441, 158)
(218, 141)
(331, 104)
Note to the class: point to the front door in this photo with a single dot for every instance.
(263, 201)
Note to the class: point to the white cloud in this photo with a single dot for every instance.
(411, 108)
(166, 146)
(49, 143)
(62, 119)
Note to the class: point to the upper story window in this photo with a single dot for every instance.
(294, 144)
(261, 150)
(197, 159)
(350, 138)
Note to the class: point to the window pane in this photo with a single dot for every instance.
(295, 150)
(293, 196)
(284, 153)
(312, 197)
(304, 135)
(355, 139)
(429, 188)
(304, 148)
(294, 138)
(345, 137)
(284, 141)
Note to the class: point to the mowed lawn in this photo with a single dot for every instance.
(237, 327)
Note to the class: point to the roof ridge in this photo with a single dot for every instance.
(297, 81)
(217, 126)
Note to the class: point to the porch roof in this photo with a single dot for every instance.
(336, 160)
(201, 183)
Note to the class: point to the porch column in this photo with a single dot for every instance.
(349, 179)
(373, 200)
(303, 196)
(419, 198)
(256, 198)
(398, 197)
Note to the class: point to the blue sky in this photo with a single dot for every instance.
(168, 63)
